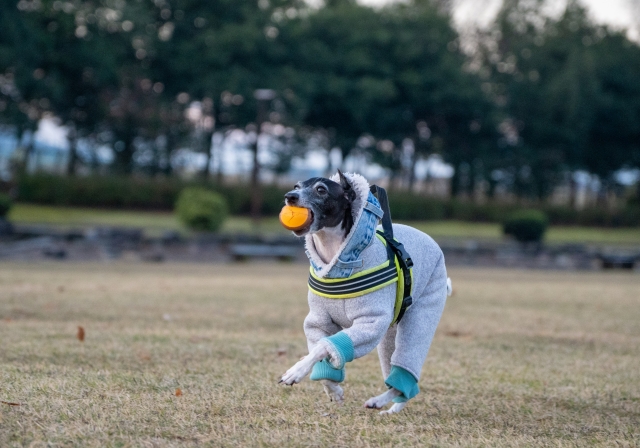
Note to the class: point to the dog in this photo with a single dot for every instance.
(340, 242)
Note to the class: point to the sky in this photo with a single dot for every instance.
(617, 13)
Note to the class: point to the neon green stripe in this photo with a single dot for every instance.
(359, 274)
(353, 294)
(399, 289)
(399, 292)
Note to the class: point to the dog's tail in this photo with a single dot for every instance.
(449, 287)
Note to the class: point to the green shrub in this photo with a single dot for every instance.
(201, 209)
(138, 192)
(526, 226)
(5, 205)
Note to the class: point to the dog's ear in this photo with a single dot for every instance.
(349, 193)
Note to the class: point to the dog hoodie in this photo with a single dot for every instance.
(351, 328)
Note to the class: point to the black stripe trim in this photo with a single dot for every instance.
(364, 287)
(350, 287)
(348, 282)
(355, 290)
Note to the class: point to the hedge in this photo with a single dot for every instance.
(201, 209)
(162, 193)
(5, 205)
(526, 226)
(135, 193)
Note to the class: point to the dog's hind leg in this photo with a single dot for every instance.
(397, 407)
(333, 391)
(382, 399)
(386, 348)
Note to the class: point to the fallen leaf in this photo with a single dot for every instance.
(10, 403)
(80, 334)
(178, 392)
(457, 334)
(282, 351)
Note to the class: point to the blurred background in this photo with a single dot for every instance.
(146, 145)
(482, 118)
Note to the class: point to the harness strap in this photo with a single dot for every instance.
(397, 268)
(403, 257)
(353, 286)
(363, 282)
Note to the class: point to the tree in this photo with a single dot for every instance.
(568, 91)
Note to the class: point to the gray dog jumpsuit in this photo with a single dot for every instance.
(351, 328)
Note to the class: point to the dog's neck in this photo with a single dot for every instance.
(328, 241)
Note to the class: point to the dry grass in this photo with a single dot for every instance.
(520, 359)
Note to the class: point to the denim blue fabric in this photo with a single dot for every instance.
(361, 237)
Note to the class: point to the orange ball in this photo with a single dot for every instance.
(295, 218)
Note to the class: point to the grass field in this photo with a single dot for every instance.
(520, 359)
(155, 223)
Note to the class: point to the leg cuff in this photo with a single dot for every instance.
(403, 381)
(323, 370)
(342, 349)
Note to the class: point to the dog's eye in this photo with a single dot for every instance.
(320, 189)
(297, 187)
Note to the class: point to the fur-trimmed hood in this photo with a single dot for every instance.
(366, 212)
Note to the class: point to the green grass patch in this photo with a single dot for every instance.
(555, 234)
(154, 223)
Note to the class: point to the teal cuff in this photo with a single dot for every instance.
(402, 380)
(323, 370)
(343, 346)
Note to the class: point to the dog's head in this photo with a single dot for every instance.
(330, 203)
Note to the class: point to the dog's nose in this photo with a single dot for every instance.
(292, 197)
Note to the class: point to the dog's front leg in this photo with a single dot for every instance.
(303, 367)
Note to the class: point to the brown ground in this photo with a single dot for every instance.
(520, 359)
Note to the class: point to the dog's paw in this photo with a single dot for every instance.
(397, 407)
(295, 374)
(374, 403)
(333, 391)
(382, 399)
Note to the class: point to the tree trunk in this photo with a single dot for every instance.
(470, 186)
(256, 193)
(455, 180)
(219, 174)
(491, 192)
(573, 192)
(28, 151)
(124, 156)
(412, 172)
(208, 138)
(72, 138)
(169, 147)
